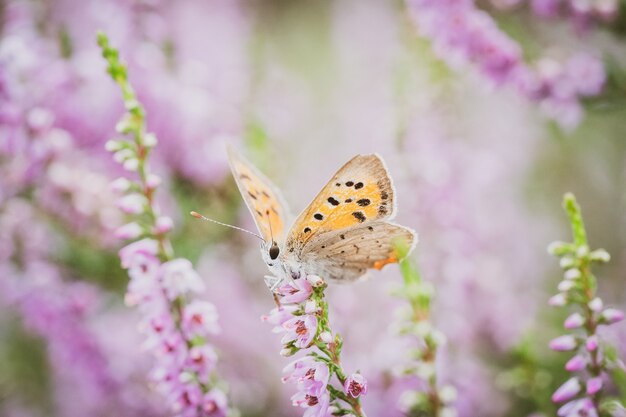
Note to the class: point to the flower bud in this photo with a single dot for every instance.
(594, 385)
(315, 281)
(567, 391)
(559, 248)
(572, 273)
(576, 363)
(574, 321)
(113, 145)
(596, 304)
(163, 224)
(123, 154)
(132, 203)
(129, 231)
(600, 255)
(153, 181)
(612, 315)
(592, 343)
(558, 300)
(566, 285)
(567, 262)
(150, 140)
(563, 343)
(447, 394)
(120, 185)
(131, 164)
(582, 251)
(326, 337)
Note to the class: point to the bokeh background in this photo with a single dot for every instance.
(486, 113)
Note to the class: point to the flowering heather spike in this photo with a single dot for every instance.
(582, 294)
(427, 341)
(176, 326)
(321, 382)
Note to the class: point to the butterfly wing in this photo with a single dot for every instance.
(345, 255)
(359, 193)
(263, 199)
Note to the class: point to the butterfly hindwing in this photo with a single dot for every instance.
(345, 255)
(262, 198)
(359, 193)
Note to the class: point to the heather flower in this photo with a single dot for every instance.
(215, 403)
(355, 385)
(301, 330)
(200, 319)
(590, 353)
(295, 292)
(179, 278)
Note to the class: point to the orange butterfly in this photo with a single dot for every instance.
(344, 232)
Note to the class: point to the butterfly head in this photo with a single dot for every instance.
(274, 251)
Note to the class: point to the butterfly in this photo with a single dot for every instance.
(345, 231)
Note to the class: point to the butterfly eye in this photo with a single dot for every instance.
(274, 251)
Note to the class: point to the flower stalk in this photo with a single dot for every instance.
(436, 400)
(323, 385)
(177, 326)
(584, 392)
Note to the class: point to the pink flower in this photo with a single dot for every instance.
(574, 321)
(200, 319)
(311, 376)
(317, 406)
(612, 315)
(578, 408)
(215, 404)
(295, 292)
(129, 231)
(179, 277)
(594, 385)
(592, 343)
(577, 363)
(188, 397)
(132, 203)
(278, 316)
(355, 385)
(144, 246)
(301, 329)
(202, 359)
(563, 343)
(567, 391)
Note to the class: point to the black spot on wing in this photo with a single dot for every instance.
(384, 195)
(333, 201)
(363, 202)
(349, 184)
(265, 194)
(307, 230)
(251, 194)
(359, 216)
(370, 228)
(349, 200)
(358, 185)
(318, 216)
(342, 236)
(382, 209)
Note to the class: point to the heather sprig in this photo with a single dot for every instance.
(323, 386)
(436, 400)
(177, 326)
(591, 366)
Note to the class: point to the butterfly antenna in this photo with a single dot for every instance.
(201, 217)
(267, 212)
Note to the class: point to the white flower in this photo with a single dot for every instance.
(179, 277)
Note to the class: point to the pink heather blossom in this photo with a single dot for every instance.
(563, 343)
(215, 403)
(179, 278)
(129, 231)
(558, 300)
(132, 203)
(577, 408)
(120, 185)
(278, 316)
(594, 385)
(295, 291)
(574, 321)
(355, 385)
(202, 360)
(301, 330)
(612, 315)
(317, 406)
(163, 225)
(596, 305)
(592, 343)
(567, 391)
(200, 319)
(586, 74)
(576, 363)
(145, 247)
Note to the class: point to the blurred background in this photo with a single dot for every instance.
(486, 112)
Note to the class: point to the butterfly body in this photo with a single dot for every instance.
(345, 231)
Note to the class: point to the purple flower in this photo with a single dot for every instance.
(215, 403)
(301, 329)
(567, 391)
(278, 316)
(576, 363)
(317, 406)
(577, 408)
(200, 319)
(563, 343)
(295, 292)
(586, 73)
(132, 203)
(145, 247)
(179, 277)
(129, 231)
(202, 360)
(310, 375)
(355, 385)
(594, 385)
